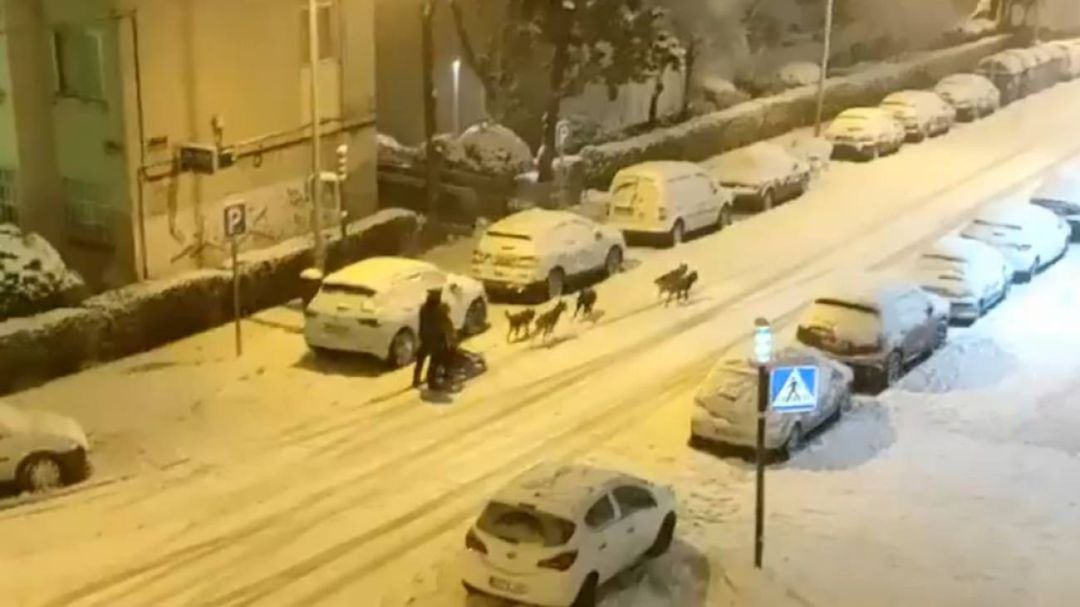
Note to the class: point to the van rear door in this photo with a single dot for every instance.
(634, 198)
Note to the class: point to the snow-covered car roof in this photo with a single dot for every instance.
(661, 169)
(754, 164)
(565, 490)
(911, 96)
(532, 221)
(870, 291)
(1062, 186)
(377, 272)
(1010, 63)
(957, 247)
(966, 81)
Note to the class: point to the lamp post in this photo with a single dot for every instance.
(763, 347)
(455, 68)
(316, 141)
(826, 51)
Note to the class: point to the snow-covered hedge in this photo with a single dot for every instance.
(142, 316)
(765, 117)
(33, 277)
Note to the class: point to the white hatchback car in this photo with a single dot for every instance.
(972, 96)
(866, 132)
(539, 250)
(922, 113)
(971, 275)
(1030, 237)
(40, 450)
(373, 307)
(555, 534)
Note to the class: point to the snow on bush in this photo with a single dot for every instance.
(493, 149)
(33, 277)
(705, 136)
(393, 152)
(798, 73)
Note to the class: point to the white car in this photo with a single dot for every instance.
(1059, 193)
(554, 535)
(865, 132)
(922, 113)
(667, 199)
(373, 307)
(1072, 52)
(972, 276)
(1030, 237)
(725, 411)
(972, 96)
(760, 175)
(540, 250)
(41, 451)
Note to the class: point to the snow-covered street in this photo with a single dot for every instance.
(279, 480)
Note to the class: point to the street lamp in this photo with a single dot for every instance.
(826, 51)
(763, 351)
(316, 142)
(455, 68)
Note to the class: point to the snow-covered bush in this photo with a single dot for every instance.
(798, 73)
(717, 94)
(393, 152)
(707, 135)
(493, 149)
(582, 131)
(33, 277)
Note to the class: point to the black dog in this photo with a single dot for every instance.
(665, 282)
(680, 291)
(586, 299)
(545, 323)
(519, 323)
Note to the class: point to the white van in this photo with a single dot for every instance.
(668, 199)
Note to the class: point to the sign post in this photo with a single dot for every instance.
(236, 226)
(763, 345)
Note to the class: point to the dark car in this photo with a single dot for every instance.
(877, 330)
(1060, 194)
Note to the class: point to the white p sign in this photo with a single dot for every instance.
(235, 219)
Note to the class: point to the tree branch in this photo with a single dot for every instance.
(468, 52)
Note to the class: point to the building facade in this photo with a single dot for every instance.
(105, 94)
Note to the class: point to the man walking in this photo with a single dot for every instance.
(432, 343)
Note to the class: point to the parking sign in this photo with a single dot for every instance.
(235, 219)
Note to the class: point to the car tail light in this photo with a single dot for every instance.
(561, 562)
(472, 542)
(368, 322)
(662, 214)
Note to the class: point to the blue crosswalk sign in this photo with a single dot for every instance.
(793, 389)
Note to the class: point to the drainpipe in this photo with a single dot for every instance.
(140, 207)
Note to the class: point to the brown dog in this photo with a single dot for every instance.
(520, 323)
(545, 323)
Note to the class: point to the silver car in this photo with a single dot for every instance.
(41, 451)
(725, 412)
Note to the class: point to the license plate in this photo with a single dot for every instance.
(624, 210)
(336, 329)
(507, 586)
(504, 260)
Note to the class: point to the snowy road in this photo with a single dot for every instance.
(274, 480)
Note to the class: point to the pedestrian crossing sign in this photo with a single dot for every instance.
(793, 389)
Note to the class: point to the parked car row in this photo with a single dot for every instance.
(1018, 73)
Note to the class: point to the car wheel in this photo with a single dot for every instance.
(724, 219)
(941, 334)
(613, 263)
(795, 440)
(476, 317)
(664, 537)
(678, 232)
(402, 349)
(768, 200)
(40, 472)
(586, 596)
(556, 283)
(894, 370)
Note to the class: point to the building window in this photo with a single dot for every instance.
(328, 42)
(77, 58)
(9, 212)
(89, 218)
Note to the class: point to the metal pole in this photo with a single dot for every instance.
(826, 51)
(236, 294)
(432, 163)
(456, 66)
(316, 142)
(759, 505)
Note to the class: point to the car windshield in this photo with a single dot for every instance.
(525, 525)
(632, 192)
(508, 235)
(994, 224)
(348, 289)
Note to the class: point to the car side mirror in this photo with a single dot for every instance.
(455, 288)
